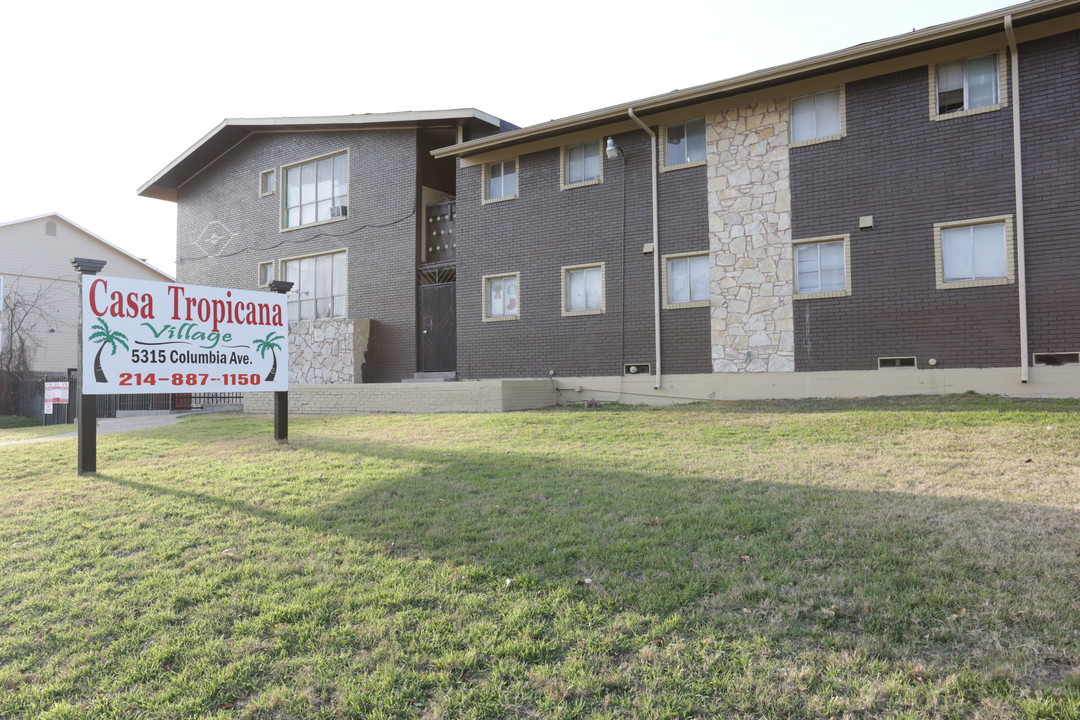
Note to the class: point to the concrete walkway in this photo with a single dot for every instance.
(113, 425)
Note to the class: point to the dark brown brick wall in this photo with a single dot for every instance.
(1050, 106)
(380, 232)
(909, 172)
(545, 229)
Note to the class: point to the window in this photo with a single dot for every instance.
(501, 297)
(967, 87)
(969, 84)
(316, 191)
(971, 253)
(266, 273)
(685, 143)
(500, 180)
(581, 165)
(318, 289)
(817, 117)
(267, 182)
(822, 267)
(583, 290)
(686, 280)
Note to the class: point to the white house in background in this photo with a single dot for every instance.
(35, 261)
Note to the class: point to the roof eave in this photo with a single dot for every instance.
(926, 38)
(229, 132)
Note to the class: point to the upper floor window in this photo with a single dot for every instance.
(684, 143)
(319, 286)
(500, 180)
(968, 84)
(817, 117)
(317, 190)
(267, 182)
(581, 164)
(971, 253)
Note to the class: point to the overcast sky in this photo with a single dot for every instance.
(99, 97)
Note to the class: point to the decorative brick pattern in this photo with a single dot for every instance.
(750, 239)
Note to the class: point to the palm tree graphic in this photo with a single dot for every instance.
(105, 336)
(269, 343)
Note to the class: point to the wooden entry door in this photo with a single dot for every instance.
(438, 327)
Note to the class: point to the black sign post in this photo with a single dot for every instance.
(87, 403)
(281, 397)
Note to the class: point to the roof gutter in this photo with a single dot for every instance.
(986, 23)
(1018, 179)
(655, 242)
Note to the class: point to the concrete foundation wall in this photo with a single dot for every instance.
(468, 396)
(511, 395)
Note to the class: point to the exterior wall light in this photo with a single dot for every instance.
(612, 150)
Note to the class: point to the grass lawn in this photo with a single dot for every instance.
(14, 428)
(894, 558)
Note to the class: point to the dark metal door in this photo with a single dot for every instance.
(438, 328)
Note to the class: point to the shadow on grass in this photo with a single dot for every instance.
(881, 572)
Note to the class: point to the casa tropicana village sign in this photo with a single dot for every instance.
(152, 337)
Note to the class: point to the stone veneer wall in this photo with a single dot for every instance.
(324, 352)
(750, 239)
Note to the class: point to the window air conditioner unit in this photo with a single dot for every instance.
(339, 211)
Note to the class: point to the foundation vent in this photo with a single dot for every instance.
(895, 362)
(1058, 358)
(637, 369)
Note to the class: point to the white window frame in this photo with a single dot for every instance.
(486, 284)
(486, 177)
(285, 227)
(668, 304)
(818, 294)
(565, 274)
(564, 160)
(1002, 87)
(259, 274)
(267, 178)
(681, 163)
(820, 138)
(1010, 253)
(292, 296)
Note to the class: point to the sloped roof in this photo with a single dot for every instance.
(232, 131)
(915, 41)
(100, 239)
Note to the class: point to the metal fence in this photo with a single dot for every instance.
(27, 398)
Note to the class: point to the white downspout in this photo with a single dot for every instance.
(655, 244)
(1018, 176)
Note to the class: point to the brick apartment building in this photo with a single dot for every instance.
(894, 217)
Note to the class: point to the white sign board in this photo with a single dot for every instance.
(153, 337)
(56, 392)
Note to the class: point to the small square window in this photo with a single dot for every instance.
(581, 165)
(684, 143)
(266, 273)
(500, 180)
(822, 267)
(583, 290)
(817, 117)
(686, 280)
(501, 301)
(267, 182)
